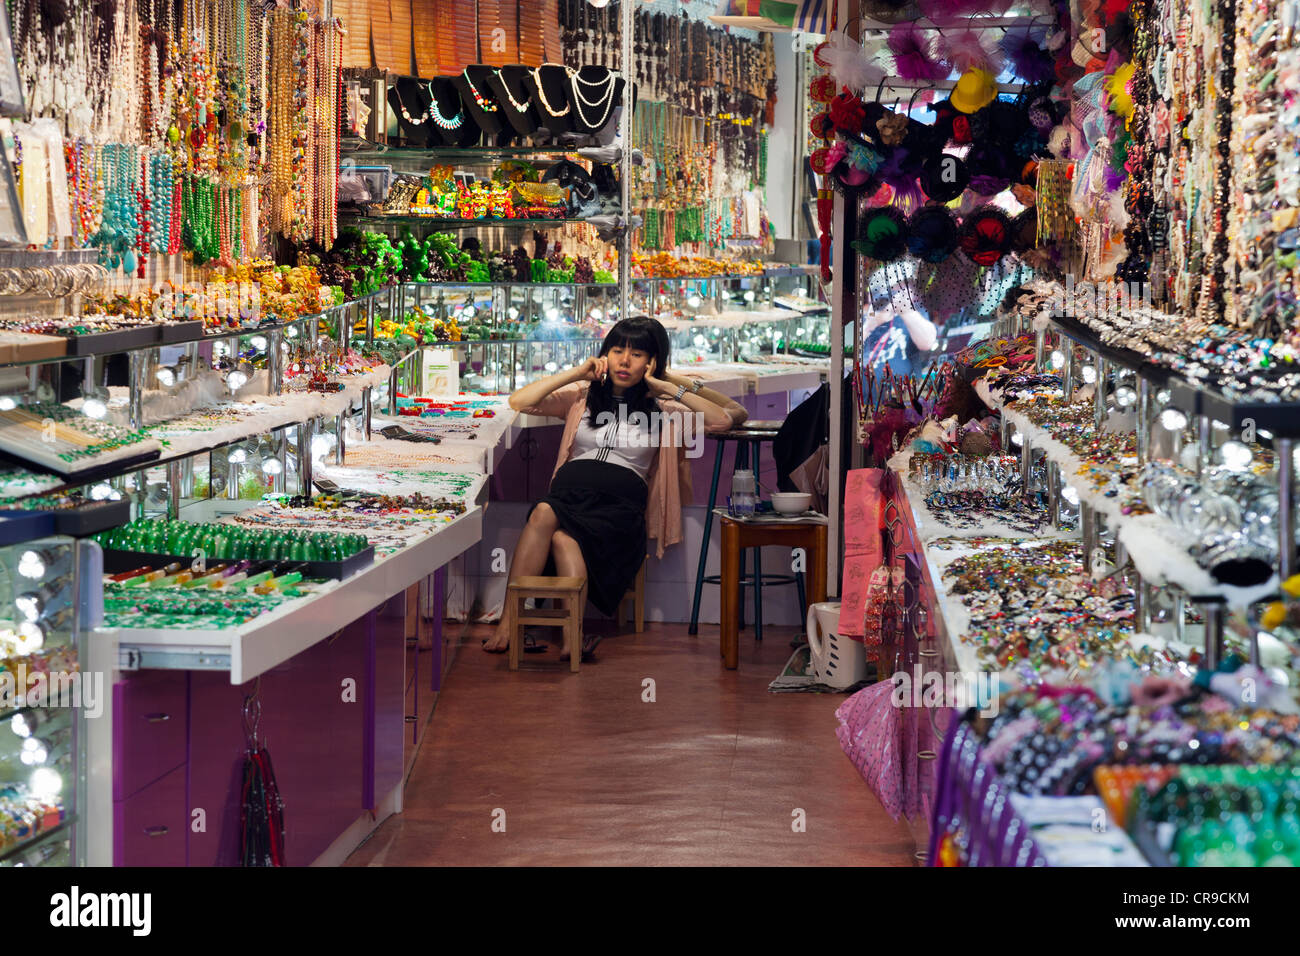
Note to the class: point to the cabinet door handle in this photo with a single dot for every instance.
(157, 718)
(156, 831)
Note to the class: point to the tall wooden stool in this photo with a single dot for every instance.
(573, 591)
(738, 535)
(633, 603)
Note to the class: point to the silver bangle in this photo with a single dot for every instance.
(696, 385)
(681, 390)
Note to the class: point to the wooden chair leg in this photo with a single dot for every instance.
(573, 625)
(516, 638)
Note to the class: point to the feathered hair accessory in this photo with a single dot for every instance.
(965, 51)
(849, 63)
(912, 58)
(1025, 51)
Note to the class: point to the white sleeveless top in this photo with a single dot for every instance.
(618, 440)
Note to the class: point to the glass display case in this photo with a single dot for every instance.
(44, 700)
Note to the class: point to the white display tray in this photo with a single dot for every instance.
(273, 638)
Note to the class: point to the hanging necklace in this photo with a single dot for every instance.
(606, 85)
(454, 123)
(520, 107)
(486, 105)
(541, 93)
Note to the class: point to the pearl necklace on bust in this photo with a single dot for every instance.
(520, 107)
(607, 98)
(541, 92)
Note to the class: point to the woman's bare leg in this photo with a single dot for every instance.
(568, 564)
(529, 560)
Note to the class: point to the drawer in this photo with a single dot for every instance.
(149, 826)
(150, 726)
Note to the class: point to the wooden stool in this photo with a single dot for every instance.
(573, 591)
(636, 598)
(738, 535)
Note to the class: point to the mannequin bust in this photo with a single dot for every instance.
(550, 87)
(595, 93)
(409, 100)
(483, 104)
(450, 119)
(512, 87)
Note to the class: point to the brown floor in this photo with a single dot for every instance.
(587, 773)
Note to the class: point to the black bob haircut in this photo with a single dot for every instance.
(644, 335)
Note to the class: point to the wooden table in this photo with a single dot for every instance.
(809, 535)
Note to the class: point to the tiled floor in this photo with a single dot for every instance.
(579, 769)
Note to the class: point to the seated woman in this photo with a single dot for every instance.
(622, 473)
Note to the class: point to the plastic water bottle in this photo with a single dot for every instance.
(743, 488)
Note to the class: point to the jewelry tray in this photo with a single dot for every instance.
(117, 561)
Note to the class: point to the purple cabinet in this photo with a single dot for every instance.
(150, 709)
(150, 825)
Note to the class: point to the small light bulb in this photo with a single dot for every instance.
(166, 377)
(512, 313)
(40, 755)
(30, 637)
(29, 605)
(237, 380)
(101, 492)
(272, 466)
(1058, 359)
(320, 446)
(1163, 396)
(1236, 456)
(94, 408)
(552, 313)
(597, 314)
(700, 341)
(45, 783)
(693, 302)
(1173, 419)
(1125, 396)
(27, 757)
(238, 456)
(1017, 439)
(1089, 374)
(1070, 494)
(7, 403)
(749, 295)
(31, 565)
(31, 743)
(1267, 436)
(292, 331)
(469, 311)
(258, 342)
(551, 367)
(18, 724)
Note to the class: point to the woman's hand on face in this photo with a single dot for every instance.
(657, 386)
(593, 370)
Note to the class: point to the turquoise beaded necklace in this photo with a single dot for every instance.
(120, 228)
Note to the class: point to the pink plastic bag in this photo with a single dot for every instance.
(875, 734)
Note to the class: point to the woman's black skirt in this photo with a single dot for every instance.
(602, 506)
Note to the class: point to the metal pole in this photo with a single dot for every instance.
(1088, 521)
(339, 427)
(1040, 348)
(367, 410)
(1026, 463)
(1054, 493)
(1143, 421)
(1204, 443)
(1067, 370)
(625, 162)
(135, 410)
(275, 363)
(173, 489)
(305, 433)
(1212, 611)
(1286, 507)
(1099, 393)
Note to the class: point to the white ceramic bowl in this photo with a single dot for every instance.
(791, 502)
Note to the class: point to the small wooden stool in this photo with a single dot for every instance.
(738, 535)
(636, 598)
(573, 591)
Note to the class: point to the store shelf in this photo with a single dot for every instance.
(362, 219)
(361, 152)
(62, 829)
(274, 638)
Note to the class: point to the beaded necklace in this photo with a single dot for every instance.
(519, 107)
(435, 114)
(541, 91)
(579, 100)
(485, 104)
(423, 117)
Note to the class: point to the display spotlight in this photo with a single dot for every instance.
(1236, 456)
(749, 295)
(30, 638)
(94, 408)
(45, 784)
(7, 403)
(166, 377)
(1125, 396)
(101, 492)
(1089, 374)
(1173, 419)
(1058, 359)
(237, 457)
(597, 314)
(258, 342)
(237, 379)
(18, 724)
(1070, 494)
(272, 466)
(694, 302)
(33, 564)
